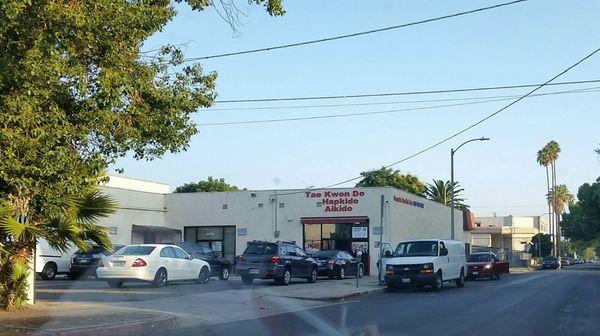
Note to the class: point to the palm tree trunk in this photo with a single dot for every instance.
(557, 214)
(550, 216)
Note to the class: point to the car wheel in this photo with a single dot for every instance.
(115, 283)
(285, 278)
(246, 280)
(49, 272)
(224, 274)
(460, 282)
(361, 271)
(313, 276)
(342, 273)
(160, 278)
(438, 283)
(204, 275)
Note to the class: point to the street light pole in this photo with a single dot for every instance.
(452, 151)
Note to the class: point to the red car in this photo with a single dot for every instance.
(485, 265)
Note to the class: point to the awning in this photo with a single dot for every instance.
(334, 220)
(150, 228)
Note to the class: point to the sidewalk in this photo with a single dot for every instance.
(519, 270)
(81, 319)
(259, 300)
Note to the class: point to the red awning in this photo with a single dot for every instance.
(334, 220)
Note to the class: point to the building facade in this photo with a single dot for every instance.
(351, 219)
(511, 233)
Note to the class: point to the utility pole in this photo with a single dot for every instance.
(452, 151)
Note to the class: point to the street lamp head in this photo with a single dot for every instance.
(484, 139)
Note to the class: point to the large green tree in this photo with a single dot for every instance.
(77, 92)
(583, 220)
(392, 178)
(541, 240)
(208, 185)
(441, 192)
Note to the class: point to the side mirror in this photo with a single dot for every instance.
(388, 254)
(444, 252)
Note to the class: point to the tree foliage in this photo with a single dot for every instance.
(583, 220)
(542, 240)
(387, 177)
(209, 185)
(77, 93)
(560, 197)
(441, 192)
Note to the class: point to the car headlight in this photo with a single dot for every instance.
(428, 266)
(488, 266)
(389, 267)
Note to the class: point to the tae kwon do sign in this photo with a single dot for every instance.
(337, 201)
(406, 201)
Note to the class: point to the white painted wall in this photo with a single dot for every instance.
(136, 184)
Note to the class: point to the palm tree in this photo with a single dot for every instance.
(74, 225)
(553, 149)
(441, 192)
(543, 159)
(561, 196)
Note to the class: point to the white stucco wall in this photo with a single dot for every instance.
(136, 184)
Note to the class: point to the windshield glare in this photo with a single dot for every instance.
(261, 249)
(479, 258)
(329, 254)
(417, 249)
(135, 250)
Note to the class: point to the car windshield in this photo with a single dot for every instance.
(191, 248)
(325, 253)
(417, 249)
(261, 248)
(479, 257)
(93, 250)
(550, 259)
(135, 250)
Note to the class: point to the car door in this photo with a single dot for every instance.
(386, 251)
(167, 260)
(305, 266)
(444, 260)
(185, 265)
(350, 262)
(502, 263)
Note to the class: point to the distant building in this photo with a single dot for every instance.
(507, 232)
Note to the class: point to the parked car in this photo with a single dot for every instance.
(427, 262)
(567, 261)
(154, 263)
(485, 265)
(280, 261)
(85, 263)
(550, 263)
(337, 264)
(220, 267)
(50, 262)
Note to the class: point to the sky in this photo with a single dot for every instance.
(525, 43)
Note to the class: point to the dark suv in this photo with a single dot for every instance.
(85, 263)
(219, 266)
(280, 261)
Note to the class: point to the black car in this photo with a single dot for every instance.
(550, 262)
(85, 263)
(280, 261)
(337, 264)
(219, 266)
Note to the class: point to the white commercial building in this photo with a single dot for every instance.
(349, 219)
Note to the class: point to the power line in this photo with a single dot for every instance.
(454, 135)
(343, 115)
(339, 37)
(406, 93)
(378, 103)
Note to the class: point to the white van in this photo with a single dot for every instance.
(50, 262)
(426, 262)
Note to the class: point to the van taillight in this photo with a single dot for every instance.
(139, 262)
(275, 259)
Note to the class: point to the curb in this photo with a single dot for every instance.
(340, 298)
(129, 328)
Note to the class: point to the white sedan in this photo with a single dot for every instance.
(155, 263)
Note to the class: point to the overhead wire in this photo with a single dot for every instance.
(343, 115)
(471, 126)
(339, 37)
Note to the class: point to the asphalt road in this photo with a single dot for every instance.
(538, 303)
(61, 289)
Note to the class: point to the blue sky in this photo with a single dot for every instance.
(524, 43)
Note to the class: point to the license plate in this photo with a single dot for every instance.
(118, 263)
(475, 273)
(254, 271)
(405, 280)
